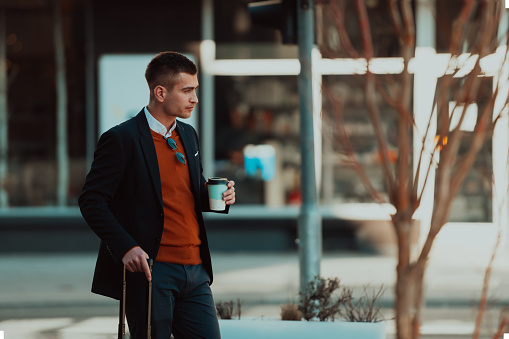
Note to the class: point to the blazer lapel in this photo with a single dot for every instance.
(190, 148)
(149, 152)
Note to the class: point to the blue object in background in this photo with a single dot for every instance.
(260, 159)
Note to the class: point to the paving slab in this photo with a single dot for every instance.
(48, 295)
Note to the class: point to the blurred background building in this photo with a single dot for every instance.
(74, 68)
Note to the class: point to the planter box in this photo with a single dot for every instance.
(278, 329)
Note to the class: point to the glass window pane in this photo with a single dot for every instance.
(32, 141)
(474, 201)
(257, 138)
(345, 109)
(383, 32)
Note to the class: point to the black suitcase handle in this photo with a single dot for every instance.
(121, 323)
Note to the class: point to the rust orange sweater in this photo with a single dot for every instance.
(180, 243)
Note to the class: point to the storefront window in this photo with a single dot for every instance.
(474, 202)
(345, 108)
(382, 29)
(257, 138)
(31, 178)
(447, 14)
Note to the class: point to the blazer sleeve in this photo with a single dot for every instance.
(98, 192)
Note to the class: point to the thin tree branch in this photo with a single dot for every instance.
(472, 87)
(371, 100)
(468, 160)
(374, 115)
(415, 184)
(339, 21)
(396, 17)
(484, 294)
(485, 42)
(403, 171)
(500, 330)
(365, 30)
(459, 26)
(449, 182)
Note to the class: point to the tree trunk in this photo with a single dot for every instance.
(409, 297)
(409, 283)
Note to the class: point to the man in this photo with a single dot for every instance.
(144, 198)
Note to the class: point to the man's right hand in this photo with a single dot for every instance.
(135, 260)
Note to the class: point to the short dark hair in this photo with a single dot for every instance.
(165, 67)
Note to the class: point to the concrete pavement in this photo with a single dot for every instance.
(49, 293)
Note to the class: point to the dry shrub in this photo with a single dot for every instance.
(317, 302)
(291, 312)
(365, 309)
(324, 299)
(226, 310)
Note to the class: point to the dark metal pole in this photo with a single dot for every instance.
(310, 231)
(4, 123)
(91, 138)
(61, 89)
(207, 85)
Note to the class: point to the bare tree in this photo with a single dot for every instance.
(449, 160)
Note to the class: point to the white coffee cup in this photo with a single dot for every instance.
(217, 186)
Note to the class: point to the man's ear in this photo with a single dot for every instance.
(159, 93)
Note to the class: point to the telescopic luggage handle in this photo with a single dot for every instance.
(149, 302)
(121, 323)
(121, 320)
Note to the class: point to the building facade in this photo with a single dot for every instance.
(75, 68)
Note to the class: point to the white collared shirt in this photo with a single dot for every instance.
(157, 127)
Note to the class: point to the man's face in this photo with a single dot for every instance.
(181, 99)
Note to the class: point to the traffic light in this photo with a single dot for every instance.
(276, 14)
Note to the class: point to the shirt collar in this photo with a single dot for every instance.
(157, 127)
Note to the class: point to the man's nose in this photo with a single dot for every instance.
(194, 98)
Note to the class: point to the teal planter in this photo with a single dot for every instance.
(278, 329)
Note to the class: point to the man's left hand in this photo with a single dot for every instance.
(229, 195)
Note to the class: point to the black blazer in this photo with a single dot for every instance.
(122, 201)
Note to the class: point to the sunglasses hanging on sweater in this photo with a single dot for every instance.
(173, 146)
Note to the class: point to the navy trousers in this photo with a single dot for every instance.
(182, 304)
